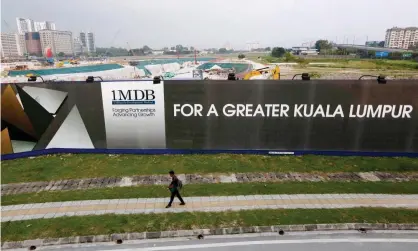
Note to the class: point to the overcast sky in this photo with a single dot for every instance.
(214, 23)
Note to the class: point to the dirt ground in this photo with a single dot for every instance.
(287, 72)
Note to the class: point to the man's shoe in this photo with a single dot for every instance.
(182, 204)
(168, 206)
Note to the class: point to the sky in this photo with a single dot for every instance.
(217, 23)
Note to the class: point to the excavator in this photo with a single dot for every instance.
(264, 73)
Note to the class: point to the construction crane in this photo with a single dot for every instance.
(113, 40)
(129, 48)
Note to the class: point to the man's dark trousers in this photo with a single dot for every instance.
(174, 193)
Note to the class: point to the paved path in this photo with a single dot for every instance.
(88, 183)
(205, 204)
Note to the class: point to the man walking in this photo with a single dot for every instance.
(174, 187)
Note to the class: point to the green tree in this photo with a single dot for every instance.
(223, 50)
(288, 57)
(61, 54)
(137, 52)
(278, 52)
(381, 44)
(241, 56)
(179, 48)
(267, 49)
(323, 45)
(146, 48)
(112, 51)
(192, 48)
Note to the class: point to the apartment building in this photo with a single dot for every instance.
(44, 25)
(91, 47)
(58, 41)
(33, 43)
(25, 25)
(21, 44)
(9, 45)
(401, 38)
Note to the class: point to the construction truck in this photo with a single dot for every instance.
(73, 61)
(264, 73)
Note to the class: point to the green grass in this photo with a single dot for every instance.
(72, 166)
(215, 190)
(354, 63)
(107, 224)
(374, 64)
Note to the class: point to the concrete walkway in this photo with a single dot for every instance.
(205, 204)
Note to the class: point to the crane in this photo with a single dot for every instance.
(130, 49)
(113, 40)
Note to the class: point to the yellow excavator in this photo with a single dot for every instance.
(59, 64)
(257, 73)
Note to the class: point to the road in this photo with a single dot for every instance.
(312, 241)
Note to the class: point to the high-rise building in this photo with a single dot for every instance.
(401, 38)
(33, 43)
(21, 44)
(78, 46)
(83, 39)
(25, 25)
(44, 25)
(90, 42)
(9, 45)
(58, 41)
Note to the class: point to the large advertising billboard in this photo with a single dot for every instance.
(211, 115)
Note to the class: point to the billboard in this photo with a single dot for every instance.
(382, 54)
(323, 115)
(407, 55)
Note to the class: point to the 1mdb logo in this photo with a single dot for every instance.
(133, 97)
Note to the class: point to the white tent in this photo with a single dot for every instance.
(216, 67)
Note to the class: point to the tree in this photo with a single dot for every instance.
(192, 48)
(61, 54)
(278, 52)
(241, 56)
(146, 48)
(267, 49)
(289, 57)
(173, 48)
(137, 52)
(165, 49)
(223, 50)
(179, 48)
(381, 44)
(323, 45)
(113, 52)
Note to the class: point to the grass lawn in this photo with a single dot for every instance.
(107, 224)
(72, 166)
(215, 190)
(354, 63)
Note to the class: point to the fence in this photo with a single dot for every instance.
(277, 117)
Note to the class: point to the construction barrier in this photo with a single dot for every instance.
(265, 117)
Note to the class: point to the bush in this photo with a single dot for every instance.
(288, 57)
(278, 52)
(241, 56)
(315, 75)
